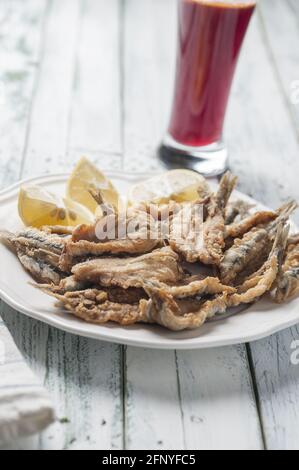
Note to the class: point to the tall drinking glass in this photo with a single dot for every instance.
(210, 37)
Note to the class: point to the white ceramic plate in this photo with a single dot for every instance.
(258, 321)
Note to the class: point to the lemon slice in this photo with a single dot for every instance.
(176, 185)
(38, 207)
(86, 177)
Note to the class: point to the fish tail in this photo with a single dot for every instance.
(226, 186)
(50, 289)
(280, 242)
(7, 238)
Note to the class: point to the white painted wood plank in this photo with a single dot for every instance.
(96, 128)
(153, 412)
(47, 141)
(264, 153)
(149, 56)
(218, 402)
(278, 387)
(21, 24)
(281, 31)
(83, 376)
(23, 332)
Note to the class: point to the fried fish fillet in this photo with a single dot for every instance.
(76, 251)
(237, 210)
(239, 229)
(205, 243)
(243, 252)
(166, 310)
(114, 294)
(36, 239)
(262, 281)
(93, 306)
(161, 265)
(39, 253)
(112, 235)
(252, 246)
(39, 270)
(258, 219)
(194, 288)
(288, 279)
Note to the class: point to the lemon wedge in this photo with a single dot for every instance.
(38, 207)
(177, 185)
(87, 177)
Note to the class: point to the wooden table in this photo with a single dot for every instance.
(94, 77)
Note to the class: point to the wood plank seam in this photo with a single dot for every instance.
(180, 398)
(256, 393)
(75, 64)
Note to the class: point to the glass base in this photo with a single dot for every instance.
(210, 160)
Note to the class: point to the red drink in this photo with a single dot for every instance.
(210, 38)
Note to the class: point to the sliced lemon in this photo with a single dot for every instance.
(176, 185)
(38, 207)
(87, 177)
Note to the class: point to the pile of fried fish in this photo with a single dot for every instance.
(146, 279)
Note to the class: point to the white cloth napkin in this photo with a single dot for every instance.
(25, 407)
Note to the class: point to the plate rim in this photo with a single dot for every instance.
(166, 343)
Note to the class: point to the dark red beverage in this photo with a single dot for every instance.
(210, 38)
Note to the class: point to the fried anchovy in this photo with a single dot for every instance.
(204, 243)
(40, 271)
(213, 227)
(111, 236)
(114, 294)
(288, 279)
(262, 281)
(196, 288)
(39, 253)
(93, 306)
(237, 209)
(239, 229)
(251, 247)
(81, 249)
(39, 239)
(161, 265)
(166, 310)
